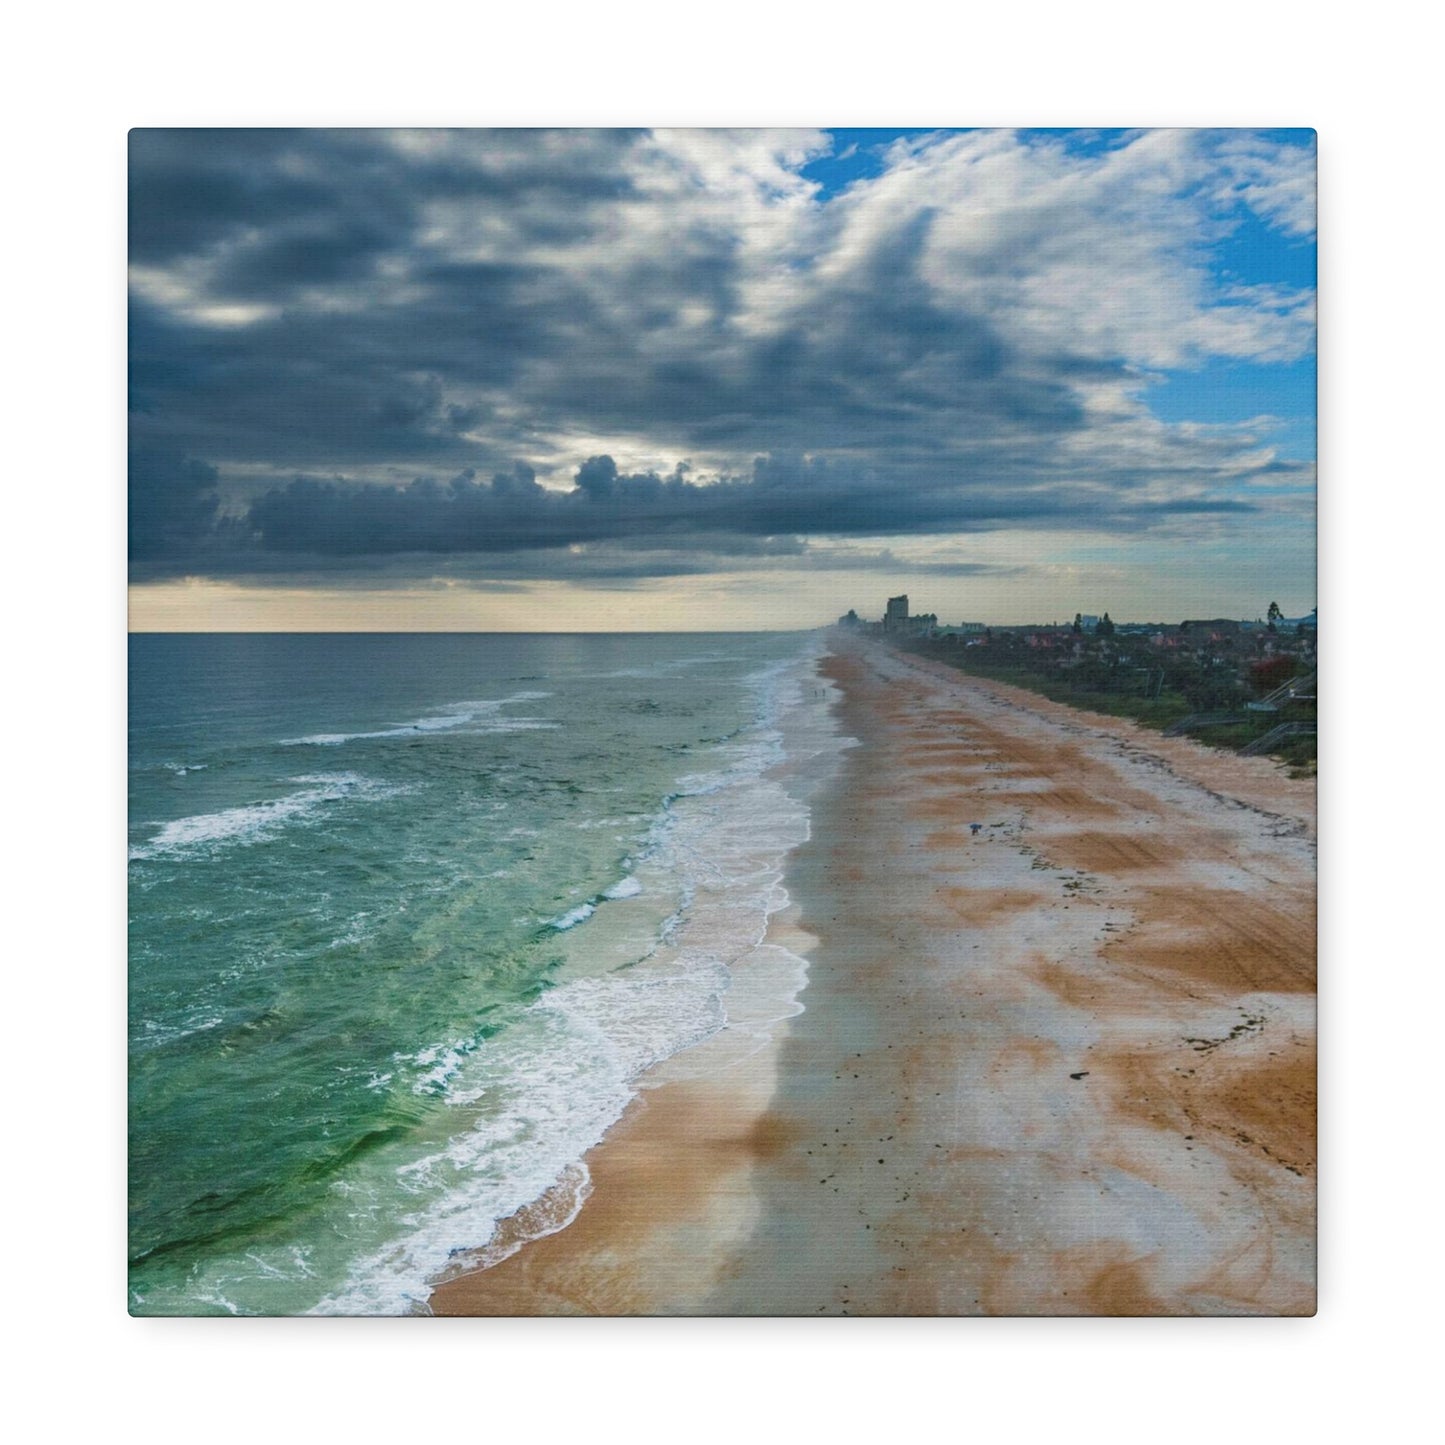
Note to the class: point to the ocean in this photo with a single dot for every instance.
(409, 917)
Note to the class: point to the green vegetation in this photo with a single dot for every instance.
(1128, 677)
(1156, 712)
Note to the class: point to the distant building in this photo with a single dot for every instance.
(898, 620)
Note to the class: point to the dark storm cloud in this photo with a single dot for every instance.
(284, 208)
(320, 317)
(513, 512)
(355, 336)
(173, 502)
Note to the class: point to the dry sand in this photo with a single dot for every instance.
(1065, 1066)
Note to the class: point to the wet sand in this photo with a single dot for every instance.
(1065, 1065)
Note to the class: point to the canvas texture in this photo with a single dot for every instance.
(722, 722)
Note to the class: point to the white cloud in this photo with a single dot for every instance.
(986, 313)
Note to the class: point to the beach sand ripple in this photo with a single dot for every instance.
(1062, 1065)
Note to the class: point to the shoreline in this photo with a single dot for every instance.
(686, 1139)
(1065, 1066)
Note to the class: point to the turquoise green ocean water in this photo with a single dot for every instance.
(409, 914)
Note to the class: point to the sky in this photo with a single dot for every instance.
(648, 380)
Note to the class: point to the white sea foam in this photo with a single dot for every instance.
(544, 1089)
(627, 887)
(573, 917)
(254, 822)
(359, 927)
(482, 713)
(155, 1035)
(441, 1064)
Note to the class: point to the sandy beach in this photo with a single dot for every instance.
(1062, 1065)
